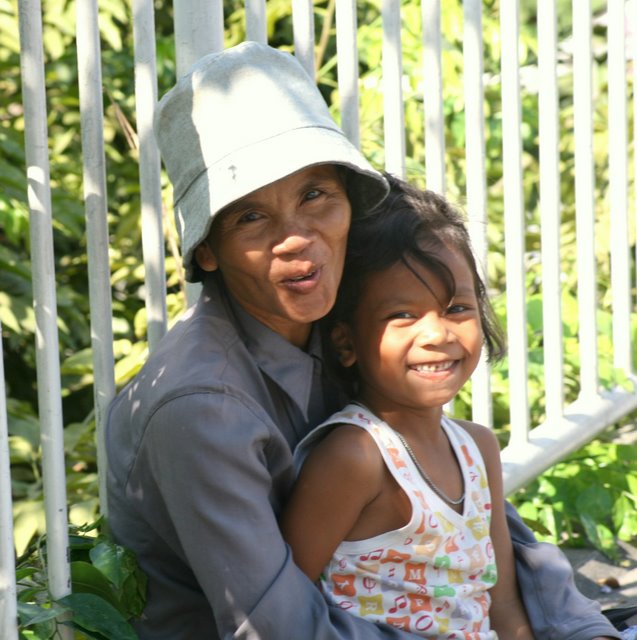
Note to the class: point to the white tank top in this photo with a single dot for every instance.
(430, 577)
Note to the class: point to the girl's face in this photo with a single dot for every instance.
(414, 348)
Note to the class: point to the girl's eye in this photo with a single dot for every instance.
(400, 315)
(456, 308)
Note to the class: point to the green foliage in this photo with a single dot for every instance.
(16, 308)
(588, 499)
(26, 460)
(107, 589)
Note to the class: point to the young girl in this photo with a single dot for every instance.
(398, 510)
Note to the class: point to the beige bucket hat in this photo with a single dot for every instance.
(240, 120)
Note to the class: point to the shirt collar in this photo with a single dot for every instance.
(290, 367)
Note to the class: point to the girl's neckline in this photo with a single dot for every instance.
(453, 502)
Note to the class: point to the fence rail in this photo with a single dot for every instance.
(198, 29)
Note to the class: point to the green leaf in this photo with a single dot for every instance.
(30, 614)
(625, 518)
(92, 614)
(109, 559)
(600, 537)
(120, 566)
(537, 527)
(534, 312)
(80, 547)
(594, 501)
(86, 578)
(25, 572)
(81, 362)
(133, 593)
(34, 594)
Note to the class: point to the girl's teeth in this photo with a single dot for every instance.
(429, 368)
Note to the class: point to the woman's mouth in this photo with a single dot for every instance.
(303, 283)
(300, 278)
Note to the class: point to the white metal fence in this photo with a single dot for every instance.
(198, 30)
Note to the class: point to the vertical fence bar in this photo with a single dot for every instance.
(476, 180)
(618, 186)
(394, 112)
(347, 66)
(149, 170)
(8, 591)
(96, 211)
(514, 223)
(303, 25)
(548, 102)
(633, 31)
(256, 23)
(474, 126)
(434, 113)
(198, 30)
(584, 197)
(45, 304)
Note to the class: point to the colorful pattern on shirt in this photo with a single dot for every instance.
(432, 576)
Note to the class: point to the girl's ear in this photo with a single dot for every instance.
(205, 257)
(341, 337)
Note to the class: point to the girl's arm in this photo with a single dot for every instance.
(340, 477)
(507, 613)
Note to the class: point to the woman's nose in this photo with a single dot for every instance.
(293, 238)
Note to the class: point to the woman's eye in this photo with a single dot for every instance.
(312, 194)
(249, 216)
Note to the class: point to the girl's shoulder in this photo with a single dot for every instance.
(350, 454)
(344, 439)
(484, 437)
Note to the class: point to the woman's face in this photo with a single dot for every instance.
(281, 249)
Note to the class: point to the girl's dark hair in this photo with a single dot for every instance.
(410, 224)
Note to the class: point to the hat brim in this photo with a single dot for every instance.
(262, 163)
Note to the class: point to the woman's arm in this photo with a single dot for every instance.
(214, 470)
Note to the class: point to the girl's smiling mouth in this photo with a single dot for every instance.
(433, 367)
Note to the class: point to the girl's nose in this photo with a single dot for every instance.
(432, 330)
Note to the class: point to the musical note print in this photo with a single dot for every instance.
(400, 602)
(376, 554)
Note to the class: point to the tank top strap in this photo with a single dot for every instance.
(353, 414)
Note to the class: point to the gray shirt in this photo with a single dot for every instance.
(200, 463)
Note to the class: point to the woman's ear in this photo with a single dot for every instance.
(341, 337)
(205, 257)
